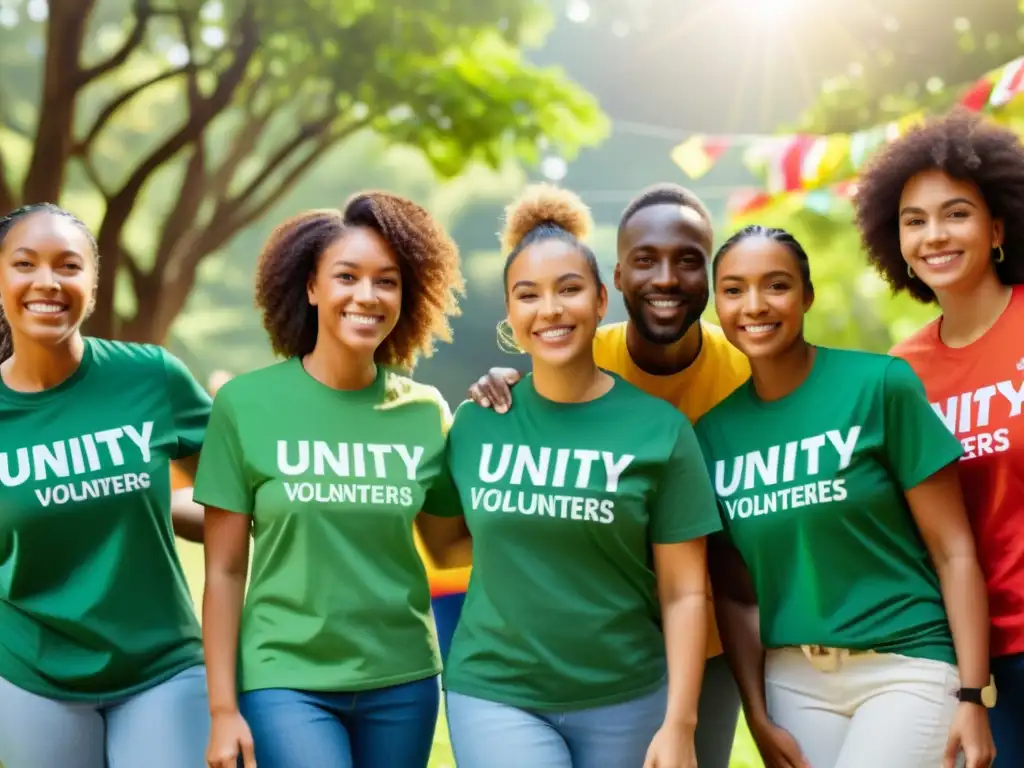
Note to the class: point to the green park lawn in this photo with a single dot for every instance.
(744, 754)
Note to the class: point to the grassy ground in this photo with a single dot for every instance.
(744, 755)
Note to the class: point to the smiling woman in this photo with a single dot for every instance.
(324, 459)
(941, 212)
(554, 293)
(848, 550)
(588, 503)
(88, 429)
(47, 288)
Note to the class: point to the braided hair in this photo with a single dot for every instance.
(780, 236)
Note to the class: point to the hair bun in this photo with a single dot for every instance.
(545, 204)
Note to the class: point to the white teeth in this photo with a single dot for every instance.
(937, 260)
(763, 328)
(362, 319)
(664, 303)
(555, 333)
(45, 307)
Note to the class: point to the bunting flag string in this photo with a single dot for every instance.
(806, 162)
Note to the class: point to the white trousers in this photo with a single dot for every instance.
(877, 711)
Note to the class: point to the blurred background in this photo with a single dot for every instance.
(182, 131)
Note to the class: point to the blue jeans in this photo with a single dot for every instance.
(370, 729)
(447, 610)
(1007, 719)
(166, 726)
(486, 734)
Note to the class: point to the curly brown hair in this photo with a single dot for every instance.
(965, 146)
(545, 204)
(545, 212)
(427, 258)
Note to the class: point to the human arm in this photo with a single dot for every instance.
(187, 516)
(441, 524)
(446, 540)
(683, 512)
(227, 563)
(190, 409)
(227, 491)
(681, 569)
(938, 509)
(739, 626)
(494, 389)
(924, 456)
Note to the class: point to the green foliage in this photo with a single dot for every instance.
(172, 126)
(220, 328)
(904, 58)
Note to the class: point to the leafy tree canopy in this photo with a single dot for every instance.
(891, 59)
(173, 124)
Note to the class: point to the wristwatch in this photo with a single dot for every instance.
(985, 697)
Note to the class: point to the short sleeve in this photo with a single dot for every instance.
(917, 442)
(190, 406)
(684, 505)
(705, 448)
(222, 480)
(442, 499)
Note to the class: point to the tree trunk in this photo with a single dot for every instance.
(158, 306)
(54, 138)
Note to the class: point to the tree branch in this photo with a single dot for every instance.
(326, 141)
(123, 201)
(284, 152)
(196, 245)
(178, 238)
(185, 22)
(131, 264)
(245, 141)
(197, 122)
(54, 135)
(143, 13)
(113, 106)
(93, 175)
(184, 212)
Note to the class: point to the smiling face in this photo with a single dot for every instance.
(47, 278)
(357, 290)
(947, 232)
(554, 302)
(662, 270)
(760, 297)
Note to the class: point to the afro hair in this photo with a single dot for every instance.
(968, 148)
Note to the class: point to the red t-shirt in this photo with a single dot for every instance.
(978, 390)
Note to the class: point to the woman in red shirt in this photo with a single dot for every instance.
(941, 213)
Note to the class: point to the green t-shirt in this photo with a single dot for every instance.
(338, 597)
(93, 601)
(811, 493)
(563, 502)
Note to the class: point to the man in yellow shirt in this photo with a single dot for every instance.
(664, 247)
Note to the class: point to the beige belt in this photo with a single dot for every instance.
(826, 659)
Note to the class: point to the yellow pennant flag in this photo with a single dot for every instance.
(697, 155)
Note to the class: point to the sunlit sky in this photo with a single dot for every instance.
(747, 65)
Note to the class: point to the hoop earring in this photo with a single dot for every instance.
(507, 339)
(910, 272)
(1001, 257)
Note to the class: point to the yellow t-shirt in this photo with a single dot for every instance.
(718, 370)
